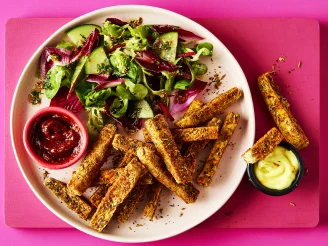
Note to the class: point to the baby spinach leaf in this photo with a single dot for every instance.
(97, 98)
(118, 107)
(56, 77)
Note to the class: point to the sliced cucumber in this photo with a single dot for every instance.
(77, 73)
(141, 109)
(166, 46)
(97, 57)
(79, 33)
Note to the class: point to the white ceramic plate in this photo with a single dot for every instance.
(176, 216)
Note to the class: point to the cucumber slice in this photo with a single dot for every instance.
(79, 33)
(141, 109)
(166, 46)
(77, 73)
(97, 57)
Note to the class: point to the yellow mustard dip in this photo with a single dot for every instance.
(278, 170)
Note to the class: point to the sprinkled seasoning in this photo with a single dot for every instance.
(299, 64)
(292, 204)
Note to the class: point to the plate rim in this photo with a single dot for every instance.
(20, 84)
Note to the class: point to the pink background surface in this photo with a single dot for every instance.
(256, 43)
(217, 9)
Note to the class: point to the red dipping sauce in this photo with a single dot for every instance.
(55, 138)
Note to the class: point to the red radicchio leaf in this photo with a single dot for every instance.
(97, 78)
(166, 112)
(46, 63)
(72, 103)
(89, 44)
(187, 54)
(115, 47)
(183, 99)
(109, 84)
(116, 21)
(153, 63)
(183, 34)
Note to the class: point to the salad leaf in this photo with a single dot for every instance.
(113, 30)
(56, 77)
(139, 40)
(95, 121)
(89, 44)
(138, 91)
(118, 107)
(51, 55)
(116, 21)
(115, 47)
(199, 68)
(182, 84)
(203, 49)
(120, 61)
(183, 99)
(109, 84)
(97, 98)
(65, 45)
(186, 54)
(152, 62)
(207, 48)
(183, 34)
(134, 72)
(123, 92)
(164, 109)
(72, 104)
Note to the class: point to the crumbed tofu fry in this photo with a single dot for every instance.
(154, 195)
(212, 108)
(75, 203)
(98, 195)
(189, 134)
(108, 177)
(187, 192)
(116, 195)
(196, 147)
(125, 143)
(229, 125)
(193, 107)
(280, 112)
(129, 204)
(195, 134)
(264, 146)
(89, 168)
(166, 147)
(129, 155)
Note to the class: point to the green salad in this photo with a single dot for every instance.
(123, 72)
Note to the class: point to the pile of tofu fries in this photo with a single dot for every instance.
(167, 158)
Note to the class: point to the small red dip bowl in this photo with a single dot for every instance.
(55, 138)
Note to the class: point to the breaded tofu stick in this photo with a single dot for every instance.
(108, 177)
(280, 112)
(166, 147)
(116, 195)
(229, 125)
(129, 155)
(98, 195)
(187, 192)
(195, 134)
(188, 134)
(196, 147)
(129, 204)
(75, 203)
(154, 195)
(125, 143)
(264, 146)
(89, 168)
(212, 108)
(194, 106)
(193, 149)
